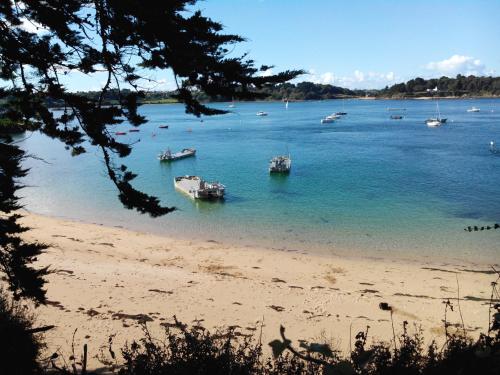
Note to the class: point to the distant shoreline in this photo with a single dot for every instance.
(156, 102)
(347, 98)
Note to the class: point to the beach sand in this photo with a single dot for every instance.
(105, 279)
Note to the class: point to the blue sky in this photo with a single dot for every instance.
(359, 43)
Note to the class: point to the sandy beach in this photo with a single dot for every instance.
(106, 279)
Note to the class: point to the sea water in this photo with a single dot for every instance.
(363, 185)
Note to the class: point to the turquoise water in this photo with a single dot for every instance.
(363, 185)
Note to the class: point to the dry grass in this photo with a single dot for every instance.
(219, 269)
(330, 275)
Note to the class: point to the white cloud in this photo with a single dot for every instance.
(358, 79)
(359, 76)
(161, 84)
(458, 64)
(327, 78)
(266, 73)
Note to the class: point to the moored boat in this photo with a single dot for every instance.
(473, 109)
(330, 118)
(167, 155)
(120, 133)
(197, 188)
(433, 123)
(280, 164)
(438, 115)
(163, 126)
(396, 117)
(261, 113)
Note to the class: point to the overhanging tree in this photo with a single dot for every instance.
(126, 40)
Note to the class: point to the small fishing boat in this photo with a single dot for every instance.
(133, 131)
(396, 117)
(121, 133)
(473, 109)
(197, 188)
(280, 164)
(261, 113)
(163, 126)
(167, 155)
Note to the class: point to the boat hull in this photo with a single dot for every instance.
(177, 156)
(196, 188)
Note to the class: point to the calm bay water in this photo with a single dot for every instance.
(364, 185)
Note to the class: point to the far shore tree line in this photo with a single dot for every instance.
(458, 87)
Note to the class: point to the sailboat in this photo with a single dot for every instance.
(438, 120)
(286, 104)
(343, 113)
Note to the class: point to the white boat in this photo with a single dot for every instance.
(330, 118)
(280, 164)
(433, 123)
(261, 113)
(167, 155)
(286, 104)
(438, 116)
(197, 188)
(473, 109)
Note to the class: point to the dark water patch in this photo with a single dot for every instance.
(469, 215)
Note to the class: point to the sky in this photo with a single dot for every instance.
(357, 43)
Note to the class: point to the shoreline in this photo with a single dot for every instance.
(339, 98)
(315, 249)
(105, 279)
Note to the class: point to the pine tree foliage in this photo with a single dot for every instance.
(43, 42)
